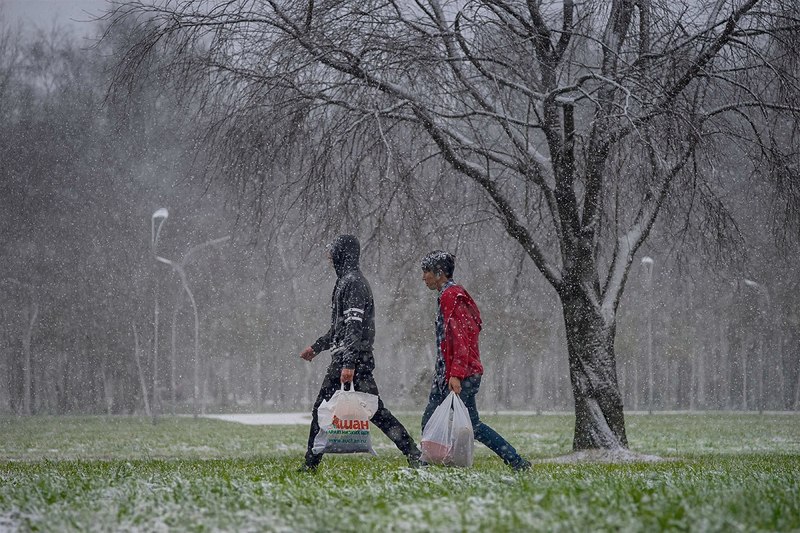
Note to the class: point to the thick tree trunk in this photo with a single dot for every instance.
(599, 419)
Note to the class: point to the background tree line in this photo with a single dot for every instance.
(82, 171)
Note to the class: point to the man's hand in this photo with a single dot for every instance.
(455, 384)
(347, 375)
(308, 354)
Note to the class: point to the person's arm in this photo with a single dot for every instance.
(323, 343)
(308, 353)
(354, 305)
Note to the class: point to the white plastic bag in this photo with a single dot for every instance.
(448, 438)
(344, 422)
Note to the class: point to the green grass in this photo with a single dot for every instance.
(730, 473)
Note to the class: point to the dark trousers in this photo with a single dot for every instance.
(383, 418)
(483, 433)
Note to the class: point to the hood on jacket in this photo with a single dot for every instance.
(345, 251)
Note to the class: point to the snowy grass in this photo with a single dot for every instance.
(732, 472)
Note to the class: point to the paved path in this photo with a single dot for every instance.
(304, 419)
(267, 419)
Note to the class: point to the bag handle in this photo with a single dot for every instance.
(352, 387)
(450, 399)
(457, 401)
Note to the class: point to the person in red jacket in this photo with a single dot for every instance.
(458, 360)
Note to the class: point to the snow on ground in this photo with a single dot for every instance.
(606, 456)
(266, 419)
(303, 419)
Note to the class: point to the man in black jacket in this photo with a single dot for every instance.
(350, 340)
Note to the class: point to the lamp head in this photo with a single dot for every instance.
(161, 214)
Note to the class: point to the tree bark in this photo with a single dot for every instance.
(599, 418)
(142, 380)
(108, 389)
(28, 362)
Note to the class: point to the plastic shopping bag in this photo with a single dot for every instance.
(448, 438)
(344, 422)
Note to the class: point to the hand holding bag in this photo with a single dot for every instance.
(448, 438)
(344, 422)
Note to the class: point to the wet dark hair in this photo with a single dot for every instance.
(439, 262)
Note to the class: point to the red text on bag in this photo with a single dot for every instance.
(350, 424)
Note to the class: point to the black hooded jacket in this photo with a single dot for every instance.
(352, 331)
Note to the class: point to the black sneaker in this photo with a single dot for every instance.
(521, 465)
(414, 461)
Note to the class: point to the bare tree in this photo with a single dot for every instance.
(580, 123)
(31, 313)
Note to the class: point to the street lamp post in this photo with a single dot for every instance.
(179, 268)
(160, 215)
(173, 358)
(647, 265)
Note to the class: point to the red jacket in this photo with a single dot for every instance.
(462, 324)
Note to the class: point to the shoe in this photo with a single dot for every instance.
(415, 462)
(521, 465)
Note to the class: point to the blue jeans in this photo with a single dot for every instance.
(483, 433)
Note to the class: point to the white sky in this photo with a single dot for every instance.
(33, 15)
